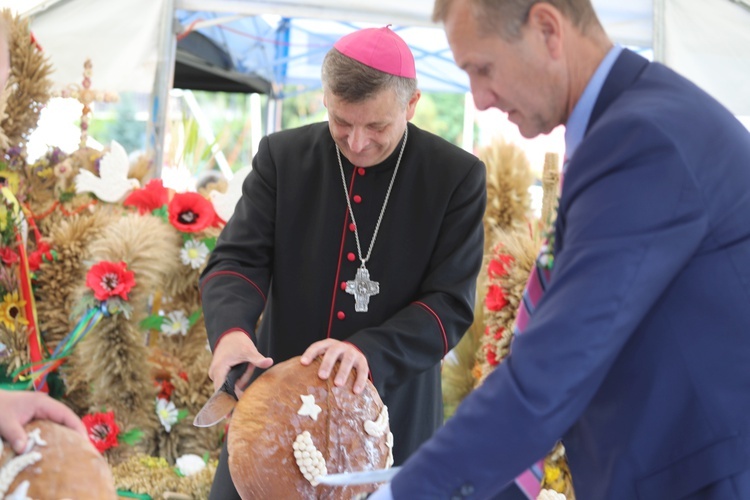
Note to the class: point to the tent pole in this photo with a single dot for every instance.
(659, 31)
(273, 114)
(276, 95)
(256, 132)
(162, 85)
(469, 115)
(205, 129)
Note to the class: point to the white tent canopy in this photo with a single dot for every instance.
(706, 40)
(131, 41)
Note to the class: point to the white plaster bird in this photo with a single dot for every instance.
(224, 203)
(113, 183)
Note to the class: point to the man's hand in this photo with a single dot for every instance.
(235, 348)
(21, 407)
(334, 350)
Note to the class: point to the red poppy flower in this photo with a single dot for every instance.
(495, 299)
(108, 279)
(166, 389)
(42, 252)
(191, 213)
(102, 430)
(152, 196)
(8, 256)
(499, 265)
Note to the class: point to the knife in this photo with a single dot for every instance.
(222, 402)
(364, 477)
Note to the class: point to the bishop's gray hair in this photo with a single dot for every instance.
(355, 82)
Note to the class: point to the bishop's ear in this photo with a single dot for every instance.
(411, 106)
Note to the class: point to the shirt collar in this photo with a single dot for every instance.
(579, 118)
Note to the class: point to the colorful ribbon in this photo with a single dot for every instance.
(35, 340)
(37, 371)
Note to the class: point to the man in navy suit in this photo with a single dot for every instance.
(637, 356)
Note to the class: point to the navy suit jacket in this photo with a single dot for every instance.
(638, 355)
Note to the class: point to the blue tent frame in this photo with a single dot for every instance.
(289, 51)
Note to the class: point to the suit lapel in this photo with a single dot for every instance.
(624, 72)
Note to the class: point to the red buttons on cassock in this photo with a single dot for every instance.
(343, 285)
(351, 256)
(352, 227)
(340, 315)
(361, 171)
(357, 198)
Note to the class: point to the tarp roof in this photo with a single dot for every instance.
(707, 40)
(121, 36)
(201, 64)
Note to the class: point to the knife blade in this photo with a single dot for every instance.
(222, 402)
(363, 477)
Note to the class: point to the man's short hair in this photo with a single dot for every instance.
(505, 18)
(355, 82)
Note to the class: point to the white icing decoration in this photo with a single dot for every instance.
(376, 428)
(550, 495)
(309, 407)
(389, 444)
(34, 439)
(14, 467)
(20, 493)
(309, 460)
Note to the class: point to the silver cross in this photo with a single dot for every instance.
(362, 288)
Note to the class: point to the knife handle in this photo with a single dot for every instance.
(234, 374)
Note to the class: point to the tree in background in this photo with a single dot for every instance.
(442, 114)
(120, 123)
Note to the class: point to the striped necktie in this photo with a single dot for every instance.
(541, 272)
(529, 482)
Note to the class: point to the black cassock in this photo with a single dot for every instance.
(290, 248)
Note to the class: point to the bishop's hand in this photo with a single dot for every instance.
(350, 357)
(235, 348)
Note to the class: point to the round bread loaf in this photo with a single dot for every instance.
(69, 466)
(350, 433)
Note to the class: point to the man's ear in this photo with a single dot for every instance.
(547, 20)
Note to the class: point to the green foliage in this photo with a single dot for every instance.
(442, 114)
(302, 108)
(152, 322)
(117, 121)
(196, 153)
(230, 122)
(131, 437)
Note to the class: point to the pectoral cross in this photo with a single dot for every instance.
(362, 288)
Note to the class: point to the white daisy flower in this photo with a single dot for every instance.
(190, 464)
(175, 322)
(167, 413)
(194, 253)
